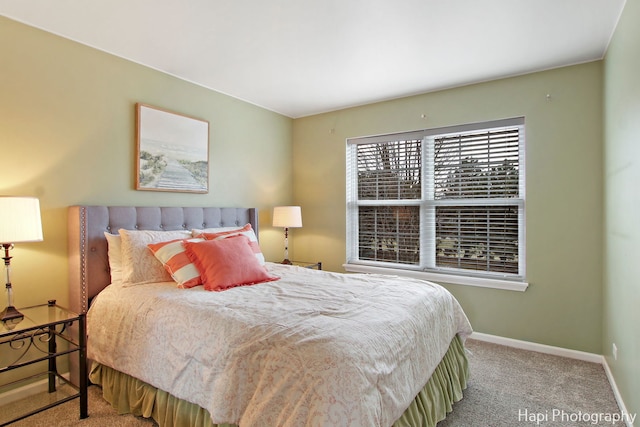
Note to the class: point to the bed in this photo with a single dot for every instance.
(304, 347)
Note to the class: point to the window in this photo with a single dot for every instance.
(447, 201)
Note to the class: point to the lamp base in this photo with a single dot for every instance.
(10, 313)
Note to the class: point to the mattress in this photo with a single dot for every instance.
(313, 348)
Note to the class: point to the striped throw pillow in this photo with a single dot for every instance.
(172, 256)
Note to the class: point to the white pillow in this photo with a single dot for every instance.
(139, 265)
(115, 256)
(198, 231)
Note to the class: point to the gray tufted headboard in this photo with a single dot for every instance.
(88, 260)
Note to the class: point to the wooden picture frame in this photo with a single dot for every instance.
(172, 151)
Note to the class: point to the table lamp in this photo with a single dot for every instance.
(287, 217)
(19, 222)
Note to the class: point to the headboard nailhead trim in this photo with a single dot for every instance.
(83, 254)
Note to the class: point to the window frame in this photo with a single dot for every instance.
(427, 205)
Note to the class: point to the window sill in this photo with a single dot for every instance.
(509, 285)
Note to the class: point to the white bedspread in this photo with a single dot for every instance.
(315, 348)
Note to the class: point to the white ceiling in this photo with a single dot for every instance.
(302, 57)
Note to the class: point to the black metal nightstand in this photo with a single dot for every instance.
(36, 338)
(307, 264)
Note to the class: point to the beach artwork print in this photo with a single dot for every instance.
(172, 151)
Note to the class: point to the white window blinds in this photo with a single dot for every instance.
(390, 170)
(444, 200)
(481, 164)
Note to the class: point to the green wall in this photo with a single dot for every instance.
(622, 205)
(562, 306)
(67, 136)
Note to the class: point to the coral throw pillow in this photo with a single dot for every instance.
(174, 259)
(247, 231)
(227, 263)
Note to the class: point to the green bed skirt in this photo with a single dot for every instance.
(129, 395)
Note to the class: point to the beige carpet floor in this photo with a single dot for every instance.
(101, 414)
(504, 383)
(511, 387)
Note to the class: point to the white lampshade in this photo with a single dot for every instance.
(287, 216)
(20, 220)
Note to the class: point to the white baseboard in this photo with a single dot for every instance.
(540, 348)
(559, 351)
(614, 387)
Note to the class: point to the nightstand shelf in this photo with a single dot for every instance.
(36, 338)
(306, 264)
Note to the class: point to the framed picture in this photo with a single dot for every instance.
(172, 151)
